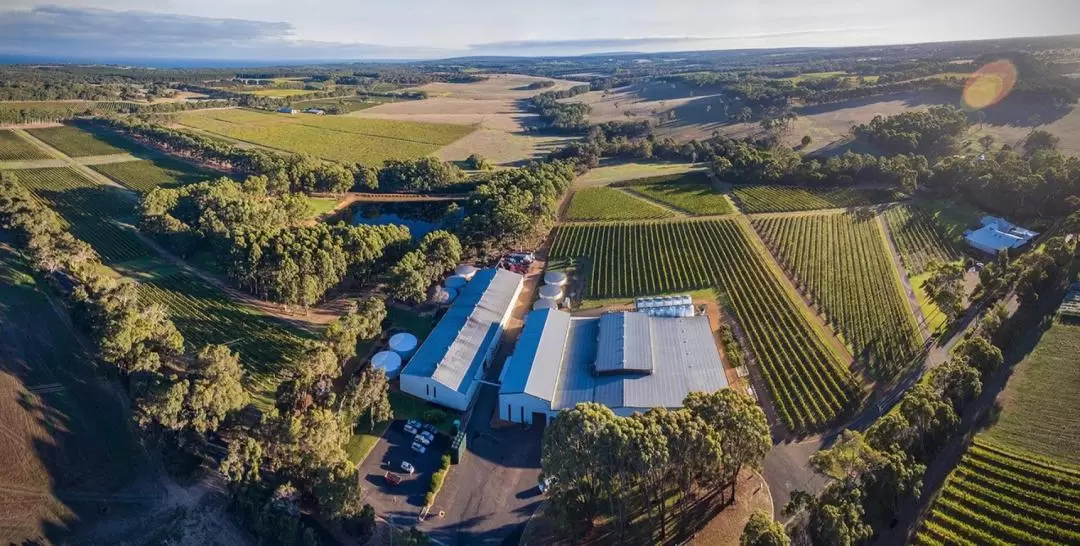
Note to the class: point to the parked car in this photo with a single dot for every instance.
(412, 426)
(422, 439)
(429, 428)
(407, 467)
(546, 483)
(391, 478)
(418, 447)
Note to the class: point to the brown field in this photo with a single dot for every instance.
(493, 104)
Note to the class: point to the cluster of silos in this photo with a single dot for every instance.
(552, 291)
(666, 306)
(401, 346)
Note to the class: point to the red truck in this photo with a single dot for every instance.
(391, 478)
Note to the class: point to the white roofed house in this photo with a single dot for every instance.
(627, 361)
(447, 367)
(997, 234)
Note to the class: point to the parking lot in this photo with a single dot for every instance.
(407, 498)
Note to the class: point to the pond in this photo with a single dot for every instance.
(420, 218)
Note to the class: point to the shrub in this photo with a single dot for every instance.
(435, 416)
(437, 480)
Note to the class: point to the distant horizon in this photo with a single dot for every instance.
(277, 32)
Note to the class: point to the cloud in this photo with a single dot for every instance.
(86, 33)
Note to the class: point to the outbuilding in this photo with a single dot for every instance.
(447, 367)
(998, 234)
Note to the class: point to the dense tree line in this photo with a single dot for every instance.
(59, 111)
(263, 240)
(932, 133)
(437, 253)
(626, 467)
(874, 473)
(562, 115)
(424, 174)
(510, 205)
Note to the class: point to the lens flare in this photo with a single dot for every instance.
(989, 84)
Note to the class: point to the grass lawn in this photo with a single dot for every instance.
(611, 204)
(337, 138)
(410, 321)
(405, 407)
(75, 142)
(15, 148)
(621, 172)
(1039, 404)
(935, 319)
(691, 192)
(322, 205)
(952, 218)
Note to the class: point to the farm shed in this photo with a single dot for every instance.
(997, 234)
(627, 361)
(446, 367)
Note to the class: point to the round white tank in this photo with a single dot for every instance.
(403, 344)
(465, 270)
(555, 278)
(455, 281)
(388, 361)
(545, 304)
(550, 292)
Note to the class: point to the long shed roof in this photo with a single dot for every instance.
(455, 348)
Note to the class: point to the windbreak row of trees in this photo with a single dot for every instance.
(263, 240)
(875, 473)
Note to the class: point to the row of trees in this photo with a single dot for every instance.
(264, 242)
(876, 472)
(625, 467)
(511, 205)
(571, 116)
(437, 253)
(931, 133)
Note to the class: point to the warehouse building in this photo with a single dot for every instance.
(627, 361)
(447, 367)
(997, 234)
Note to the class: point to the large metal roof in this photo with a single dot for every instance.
(681, 353)
(455, 348)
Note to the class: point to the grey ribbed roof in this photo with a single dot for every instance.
(681, 352)
(455, 348)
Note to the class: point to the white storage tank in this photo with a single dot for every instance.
(465, 270)
(388, 361)
(545, 304)
(403, 344)
(550, 292)
(555, 278)
(455, 282)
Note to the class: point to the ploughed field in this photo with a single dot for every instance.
(765, 198)
(999, 496)
(918, 238)
(338, 138)
(842, 263)
(809, 385)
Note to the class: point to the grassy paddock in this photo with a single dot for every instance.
(691, 192)
(622, 172)
(611, 204)
(74, 141)
(338, 138)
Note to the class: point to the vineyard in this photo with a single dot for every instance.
(917, 238)
(996, 496)
(758, 199)
(691, 192)
(809, 386)
(91, 210)
(15, 148)
(145, 175)
(611, 204)
(204, 314)
(841, 262)
(74, 141)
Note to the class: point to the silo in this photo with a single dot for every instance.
(388, 361)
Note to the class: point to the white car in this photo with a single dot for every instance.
(428, 434)
(411, 427)
(420, 438)
(406, 466)
(418, 447)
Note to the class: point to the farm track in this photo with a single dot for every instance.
(68, 160)
(913, 301)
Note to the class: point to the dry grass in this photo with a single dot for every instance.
(612, 172)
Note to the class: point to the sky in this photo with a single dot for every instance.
(421, 29)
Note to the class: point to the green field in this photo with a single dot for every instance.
(918, 238)
(612, 172)
(611, 204)
(842, 262)
(15, 148)
(322, 205)
(90, 209)
(75, 142)
(1039, 413)
(338, 138)
(809, 385)
(999, 496)
(691, 192)
(147, 174)
(758, 199)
